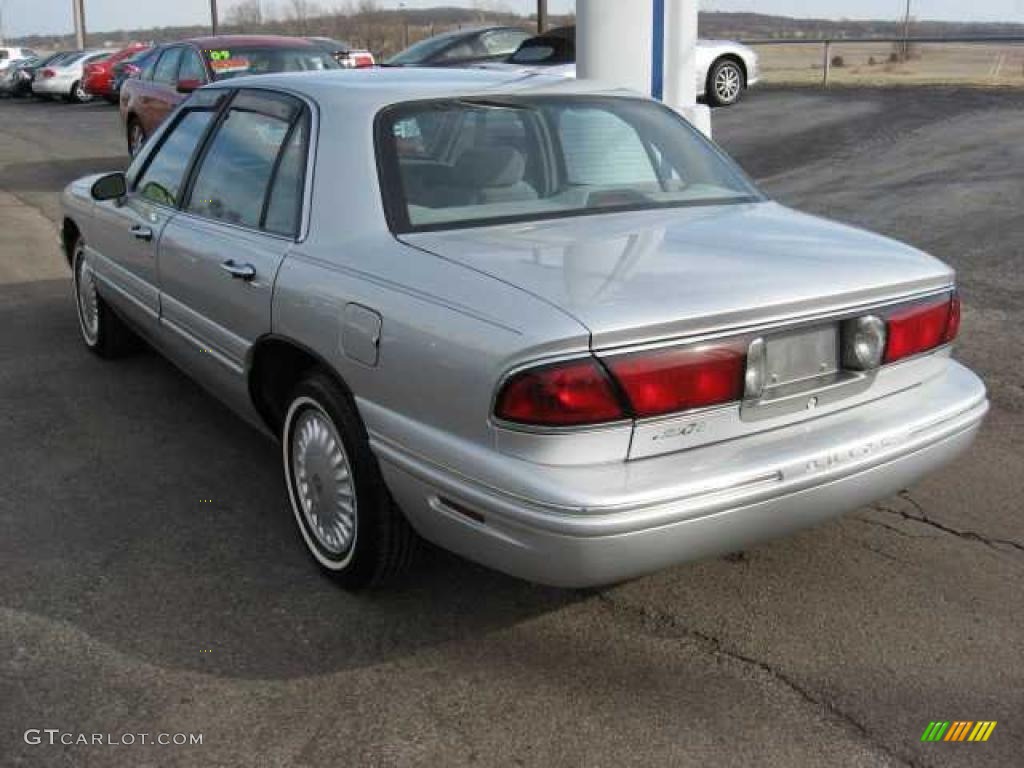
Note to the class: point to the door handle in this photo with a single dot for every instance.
(140, 232)
(239, 271)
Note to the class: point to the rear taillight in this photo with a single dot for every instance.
(922, 327)
(679, 379)
(48, 73)
(570, 394)
(363, 60)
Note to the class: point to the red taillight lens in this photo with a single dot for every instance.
(953, 327)
(922, 327)
(672, 380)
(561, 395)
(363, 60)
(48, 73)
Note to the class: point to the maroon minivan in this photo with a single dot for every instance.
(180, 68)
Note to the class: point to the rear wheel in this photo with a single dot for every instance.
(78, 94)
(136, 136)
(345, 514)
(103, 332)
(726, 82)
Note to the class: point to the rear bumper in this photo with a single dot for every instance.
(749, 490)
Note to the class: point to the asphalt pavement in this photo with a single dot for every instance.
(152, 582)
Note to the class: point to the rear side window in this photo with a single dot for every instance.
(167, 68)
(162, 179)
(235, 177)
(191, 67)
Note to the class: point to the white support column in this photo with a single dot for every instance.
(681, 62)
(618, 42)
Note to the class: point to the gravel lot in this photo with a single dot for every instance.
(129, 605)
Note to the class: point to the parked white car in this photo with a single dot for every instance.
(725, 68)
(64, 78)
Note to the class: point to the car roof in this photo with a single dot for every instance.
(373, 89)
(252, 41)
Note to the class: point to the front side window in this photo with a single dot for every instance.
(449, 164)
(236, 174)
(162, 179)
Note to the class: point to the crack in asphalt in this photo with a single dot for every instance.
(652, 621)
(999, 545)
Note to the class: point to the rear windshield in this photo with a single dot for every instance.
(226, 63)
(462, 163)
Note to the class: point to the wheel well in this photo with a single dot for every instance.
(734, 58)
(69, 234)
(278, 365)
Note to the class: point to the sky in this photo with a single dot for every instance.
(22, 17)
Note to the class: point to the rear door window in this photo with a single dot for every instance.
(285, 204)
(192, 67)
(236, 174)
(167, 67)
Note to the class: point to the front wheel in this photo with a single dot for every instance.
(726, 82)
(103, 332)
(346, 516)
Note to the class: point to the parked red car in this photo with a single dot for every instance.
(98, 78)
(181, 68)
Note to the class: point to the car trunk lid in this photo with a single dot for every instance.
(639, 277)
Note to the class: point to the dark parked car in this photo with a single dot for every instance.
(461, 47)
(554, 47)
(183, 67)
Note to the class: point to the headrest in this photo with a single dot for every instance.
(491, 167)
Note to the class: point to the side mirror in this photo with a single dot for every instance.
(187, 86)
(113, 186)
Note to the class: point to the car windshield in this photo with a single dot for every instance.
(423, 50)
(461, 163)
(235, 62)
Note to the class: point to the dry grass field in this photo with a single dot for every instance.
(870, 64)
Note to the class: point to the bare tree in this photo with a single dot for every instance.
(299, 13)
(246, 14)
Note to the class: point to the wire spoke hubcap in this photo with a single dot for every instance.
(88, 301)
(323, 481)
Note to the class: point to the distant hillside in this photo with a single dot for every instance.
(385, 31)
(756, 25)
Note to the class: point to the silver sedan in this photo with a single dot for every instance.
(548, 327)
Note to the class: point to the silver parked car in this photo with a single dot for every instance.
(548, 327)
(64, 77)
